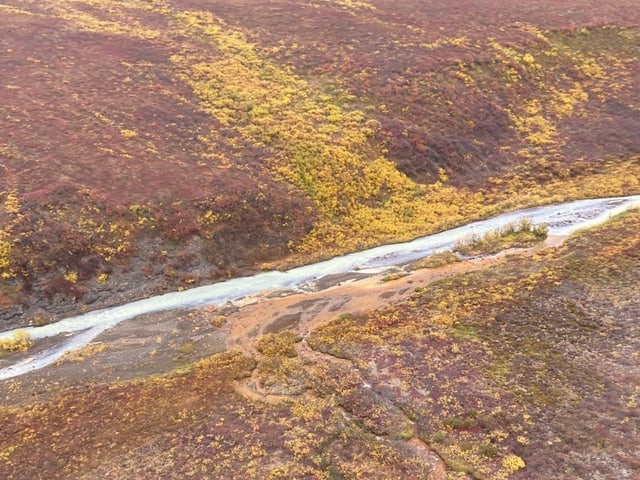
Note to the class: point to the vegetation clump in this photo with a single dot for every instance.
(522, 233)
(20, 341)
(390, 277)
(437, 260)
(81, 354)
(280, 344)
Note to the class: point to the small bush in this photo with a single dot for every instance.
(231, 364)
(456, 423)
(489, 450)
(394, 276)
(218, 320)
(81, 354)
(19, 342)
(278, 344)
(63, 285)
(437, 260)
(186, 348)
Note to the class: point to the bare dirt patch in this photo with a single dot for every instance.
(158, 343)
(144, 346)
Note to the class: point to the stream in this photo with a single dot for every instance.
(562, 219)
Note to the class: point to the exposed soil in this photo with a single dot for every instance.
(161, 342)
(126, 166)
(147, 345)
(521, 366)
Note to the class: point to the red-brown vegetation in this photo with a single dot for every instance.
(244, 133)
(524, 370)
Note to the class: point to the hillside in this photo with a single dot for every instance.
(155, 145)
(526, 368)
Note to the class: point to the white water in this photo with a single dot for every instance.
(562, 219)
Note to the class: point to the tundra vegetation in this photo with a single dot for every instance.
(513, 235)
(154, 145)
(20, 341)
(527, 369)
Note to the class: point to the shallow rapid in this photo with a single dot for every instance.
(562, 219)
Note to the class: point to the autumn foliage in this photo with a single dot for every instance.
(169, 144)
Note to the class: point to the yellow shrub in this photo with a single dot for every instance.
(19, 342)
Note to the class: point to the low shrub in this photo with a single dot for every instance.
(19, 342)
(437, 260)
(522, 233)
(278, 344)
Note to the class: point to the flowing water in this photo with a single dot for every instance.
(562, 219)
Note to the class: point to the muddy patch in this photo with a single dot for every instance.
(338, 279)
(284, 322)
(161, 342)
(149, 344)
